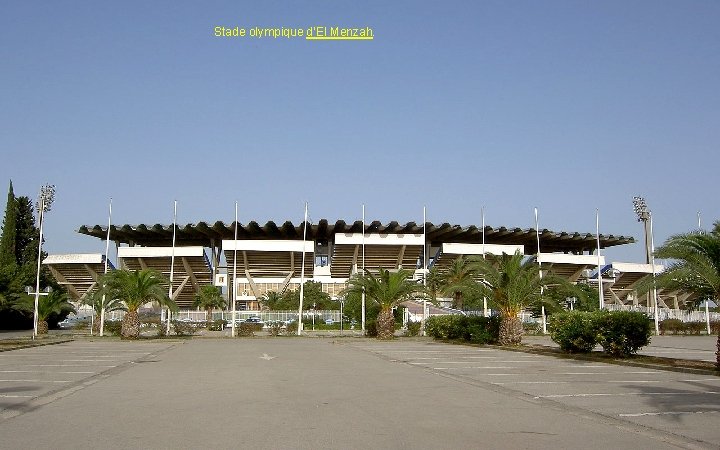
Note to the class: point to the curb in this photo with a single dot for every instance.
(547, 351)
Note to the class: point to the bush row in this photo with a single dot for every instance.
(475, 329)
(677, 326)
(620, 333)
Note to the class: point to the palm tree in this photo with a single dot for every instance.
(512, 283)
(209, 298)
(388, 289)
(458, 280)
(56, 302)
(136, 288)
(695, 267)
(99, 300)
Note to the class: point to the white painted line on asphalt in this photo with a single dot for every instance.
(57, 365)
(465, 362)
(474, 367)
(35, 371)
(35, 381)
(606, 373)
(533, 382)
(667, 413)
(627, 393)
(469, 357)
(15, 396)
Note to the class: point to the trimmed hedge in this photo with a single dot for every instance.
(575, 332)
(620, 333)
(677, 326)
(475, 329)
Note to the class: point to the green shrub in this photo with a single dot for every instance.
(695, 327)
(291, 328)
(113, 327)
(623, 333)
(274, 328)
(182, 328)
(574, 331)
(476, 329)
(672, 326)
(245, 329)
(371, 328)
(217, 325)
(715, 328)
(413, 328)
(532, 328)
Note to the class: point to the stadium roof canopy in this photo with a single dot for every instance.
(210, 235)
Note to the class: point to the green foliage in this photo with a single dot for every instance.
(98, 302)
(136, 288)
(292, 328)
(476, 329)
(113, 327)
(18, 262)
(695, 267)
(623, 333)
(54, 304)
(275, 328)
(677, 326)
(9, 232)
(183, 328)
(371, 329)
(458, 281)
(217, 325)
(413, 328)
(290, 299)
(353, 307)
(574, 331)
(245, 329)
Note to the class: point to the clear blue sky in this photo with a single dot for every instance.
(564, 105)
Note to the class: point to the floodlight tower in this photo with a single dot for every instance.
(44, 203)
(644, 215)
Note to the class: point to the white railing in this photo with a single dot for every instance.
(665, 313)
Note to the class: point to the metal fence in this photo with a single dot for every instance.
(665, 313)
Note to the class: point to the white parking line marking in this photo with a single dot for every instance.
(15, 396)
(57, 365)
(35, 371)
(474, 367)
(606, 373)
(626, 393)
(667, 413)
(35, 381)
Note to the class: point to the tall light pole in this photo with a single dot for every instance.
(105, 271)
(645, 215)
(45, 201)
(302, 275)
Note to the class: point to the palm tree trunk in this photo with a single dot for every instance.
(717, 353)
(130, 326)
(511, 330)
(208, 318)
(385, 324)
(42, 327)
(458, 300)
(96, 324)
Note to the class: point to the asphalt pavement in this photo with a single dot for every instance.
(303, 393)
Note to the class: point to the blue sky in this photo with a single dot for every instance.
(565, 106)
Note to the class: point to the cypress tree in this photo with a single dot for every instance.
(8, 248)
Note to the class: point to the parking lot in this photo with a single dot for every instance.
(33, 376)
(679, 403)
(314, 393)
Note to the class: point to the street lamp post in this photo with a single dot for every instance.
(644, 215)
(45, 200)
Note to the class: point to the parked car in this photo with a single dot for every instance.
(71, 322)
(329, 322)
